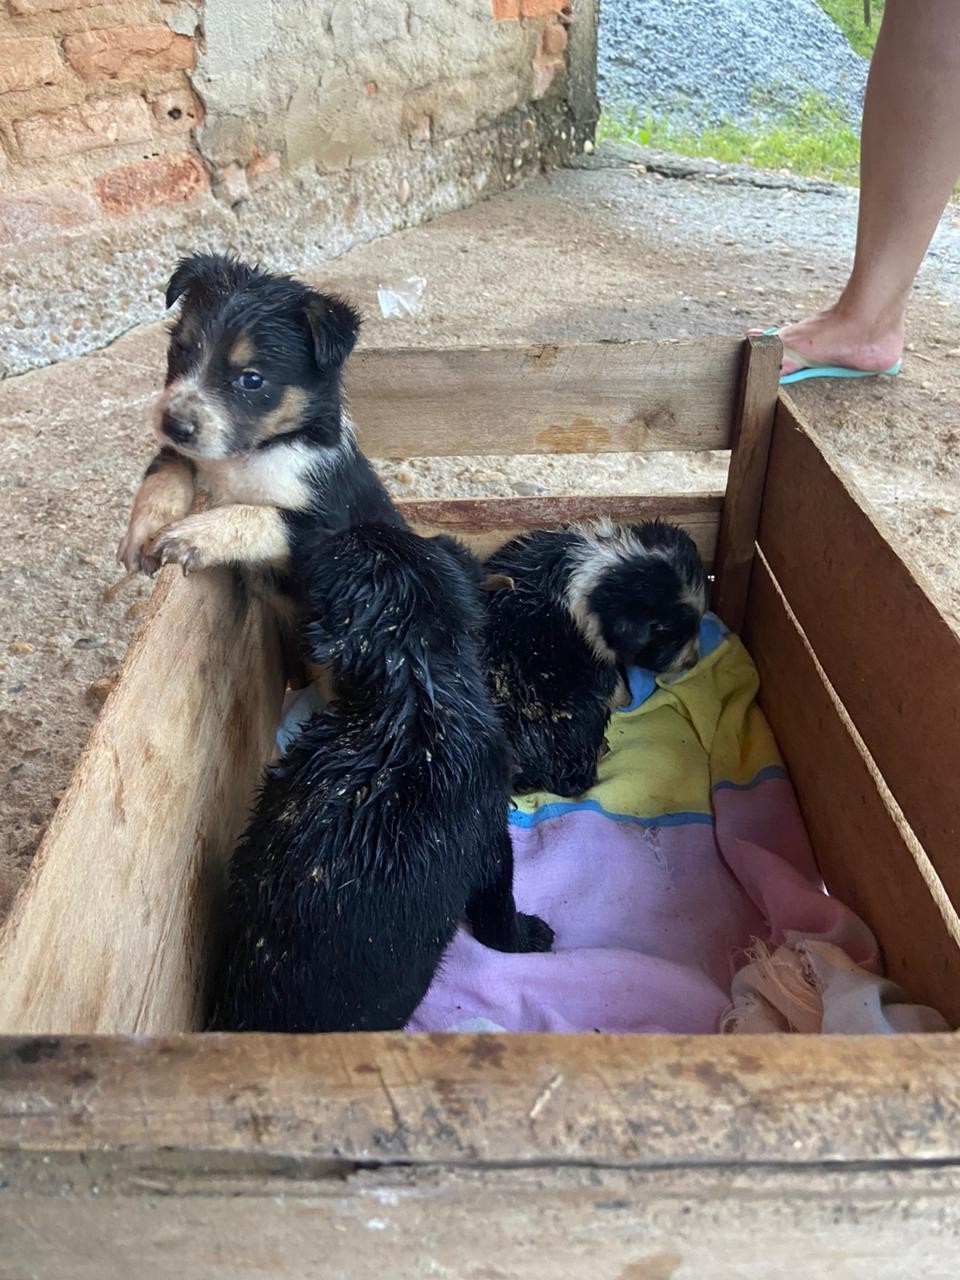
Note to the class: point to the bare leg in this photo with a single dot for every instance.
(909, 163)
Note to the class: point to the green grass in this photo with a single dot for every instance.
(813, 139)
(848, 15)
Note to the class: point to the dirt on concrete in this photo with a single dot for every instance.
(608, 251)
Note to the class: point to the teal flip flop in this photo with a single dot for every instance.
(826, 370)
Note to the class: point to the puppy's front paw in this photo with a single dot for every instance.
(133, 548)
(182, 543)
(534, 934)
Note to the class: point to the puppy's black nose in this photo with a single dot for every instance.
(176, 430)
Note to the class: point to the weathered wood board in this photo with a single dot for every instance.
(588, 397)
(752, 429)
(497, 1157)
(110, 931)
(638, 1158)
(865, 851)
(487, 523)
(892, 658)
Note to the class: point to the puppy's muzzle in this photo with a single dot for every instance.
(687, 658)
(177, 430)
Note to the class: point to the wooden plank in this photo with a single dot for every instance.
(345, 1101)
(892, 658)
(371, 1155)
(486, 523)
(487, 1224)
(867, 855)
(590, 397)
(752, 429)
(110, 930)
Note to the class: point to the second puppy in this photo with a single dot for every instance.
(583, 606)
(386, 822)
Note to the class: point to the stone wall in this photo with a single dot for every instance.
(135, 130)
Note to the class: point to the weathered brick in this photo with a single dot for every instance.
(26, 64)
(160, 180)
(119, 53)
(503, 10)
(553, 39)
(48, 211)
(99, 122)
(542, 8)
(52, 6)
(263, 169)
(177, 111)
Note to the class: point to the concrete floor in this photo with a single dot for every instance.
(602, 252)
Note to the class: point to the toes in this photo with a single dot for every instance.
(129, 556)
(175, 551)
(535, 934)
(149, 564)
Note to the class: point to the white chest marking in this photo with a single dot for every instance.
(276, 477)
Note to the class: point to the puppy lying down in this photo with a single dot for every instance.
(386, 821)
(578, 609)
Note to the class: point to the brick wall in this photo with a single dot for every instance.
(551, 18)
(97, 113)
(132, 131)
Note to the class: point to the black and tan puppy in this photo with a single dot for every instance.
(386, 822)
(252, 416)
(584, 606)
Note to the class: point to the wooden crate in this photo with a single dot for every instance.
(128, 1147)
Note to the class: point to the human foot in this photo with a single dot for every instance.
(837, 340)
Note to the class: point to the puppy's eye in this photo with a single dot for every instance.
(249, 380)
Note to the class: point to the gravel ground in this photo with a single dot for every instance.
(607, 251)
(703, 61)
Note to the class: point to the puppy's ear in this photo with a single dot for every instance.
(334, 325)
(189, 273)
(209, 272)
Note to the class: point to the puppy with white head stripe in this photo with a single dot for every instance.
(252, 416)
(578, 608)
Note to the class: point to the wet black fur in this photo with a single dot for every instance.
(386, 822)
(553, 694)
(551, 689)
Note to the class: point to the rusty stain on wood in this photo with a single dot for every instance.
(581, 436)
(659, 1266)
(487, 523)
(555, 509)
(544, 356)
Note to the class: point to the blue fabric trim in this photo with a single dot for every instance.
(558, 808)
(767, 774)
